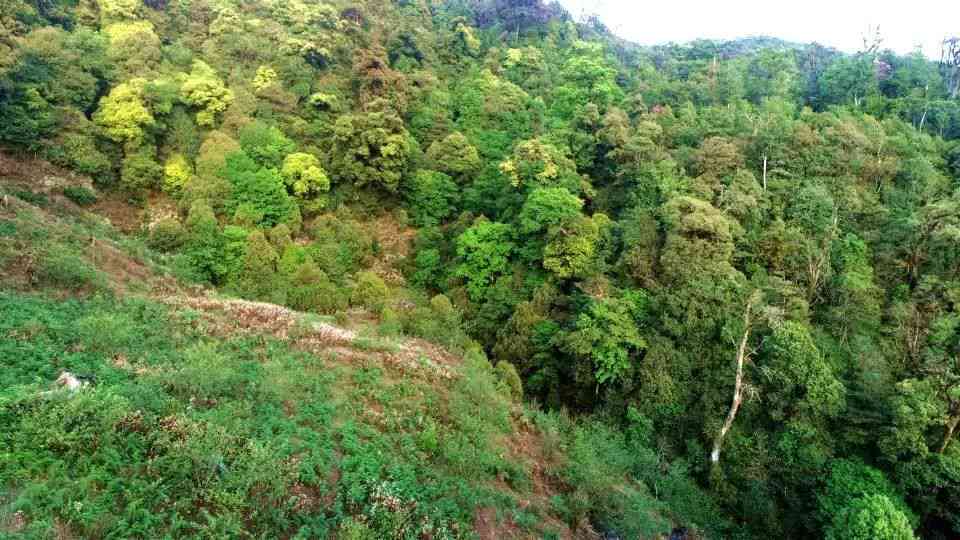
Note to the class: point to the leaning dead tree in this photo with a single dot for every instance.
(950, 65)
(743, 354)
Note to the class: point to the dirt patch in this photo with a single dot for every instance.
(123, 269)
(526, 446)
(15, 523)
(488, 527)
(118, 211)
(396, 241)
(225, 317)
(38, 175)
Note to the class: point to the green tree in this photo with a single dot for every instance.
(574, 250)
(800, 380)
(261, 188)
(483, 251)
(134, 48)
(535, 163)
(202, 89)
(266, 144)
(123, 113)
(432, 197)
(607, 333)
(204, 242)
(306, 179)
(455, 156)
(370, 148)
(871, 517)
(849, 80)
(546, 208)
(257, 277)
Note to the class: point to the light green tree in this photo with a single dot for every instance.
(123, 114)
(203, 89)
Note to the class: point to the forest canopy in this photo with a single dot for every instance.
(744, 254)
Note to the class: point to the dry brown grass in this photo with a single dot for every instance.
(229, 316)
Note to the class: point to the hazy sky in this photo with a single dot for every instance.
(904, 24)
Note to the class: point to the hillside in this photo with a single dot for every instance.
(470, 268)
(208, 416)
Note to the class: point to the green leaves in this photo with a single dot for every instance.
(202, 89)
(305, 178)
(608, 334)
(432, 197)
(546, 208)
(371, 148)
(261, 188)
(123, 114)
(872, 517)
(800, 380)
(483, 251)
(265, 144)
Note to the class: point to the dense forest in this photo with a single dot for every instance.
(732, 269)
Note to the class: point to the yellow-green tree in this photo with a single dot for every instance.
(124, 115)
(203, 89)
(306, 179)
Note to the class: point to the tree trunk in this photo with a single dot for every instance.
(737, 387)
(764, 172)
(951, 427)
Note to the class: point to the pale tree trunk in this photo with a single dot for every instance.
(764, 172)
(817, 262)
(951, 427)
(742, 354)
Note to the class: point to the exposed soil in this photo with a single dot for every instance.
(227, 316)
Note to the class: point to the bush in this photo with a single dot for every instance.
(36, 199)
(509, 380)
(82, 155)
(167, 235)
(258, 278)
(65, 269)
(370, 291)
(80, 195)
(140, 170)
(261, 188)
(390, 323)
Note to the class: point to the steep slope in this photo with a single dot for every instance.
(200, 415)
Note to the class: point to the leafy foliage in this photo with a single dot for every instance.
(753, 242)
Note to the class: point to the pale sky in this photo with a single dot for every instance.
(904, 24)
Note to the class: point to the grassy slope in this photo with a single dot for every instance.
(221, 417)
(215, 417)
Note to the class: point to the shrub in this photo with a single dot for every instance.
(390, 323)
(261, 188)
(140, 170)
(167, 235)
(204, 242)
(871, 517)
(280, 237)
(176, 173)
(509, 380)
(258, 277)
(80, 195)
(82, 155)
(310, 289)
(265, 144)
(370, 291)
(36, 199)
(62, 268)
